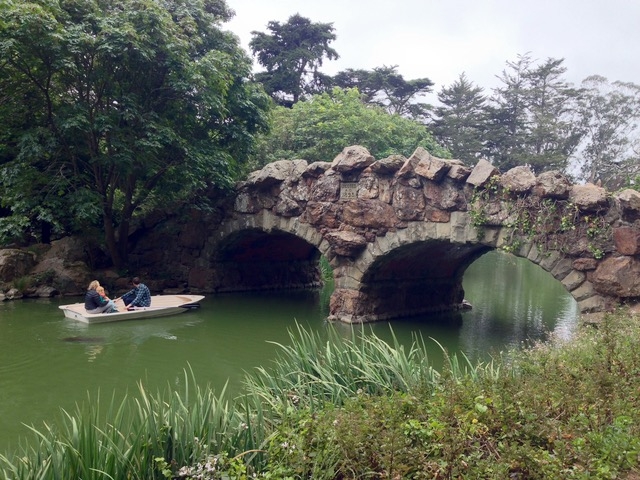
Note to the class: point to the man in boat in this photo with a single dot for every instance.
(93, 303)
(139, 296)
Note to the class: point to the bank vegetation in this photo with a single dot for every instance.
(330, 408)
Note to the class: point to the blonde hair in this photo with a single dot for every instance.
(94, 285)
(100, 289)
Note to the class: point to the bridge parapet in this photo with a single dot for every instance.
(399, 233)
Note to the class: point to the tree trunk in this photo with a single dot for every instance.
(112, 243)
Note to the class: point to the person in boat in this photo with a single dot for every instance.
(139, 296)
(103, 298)
(93, 302)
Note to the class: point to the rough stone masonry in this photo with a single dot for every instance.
(398, 233)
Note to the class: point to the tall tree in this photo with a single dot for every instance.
(610, 113)
(292, 54)
(130, 103)
(508, 116)
(319, 128)
(531, 116)
(553, 134)
(460, 120)
(385, 87)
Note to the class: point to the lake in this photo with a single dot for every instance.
(48, 362)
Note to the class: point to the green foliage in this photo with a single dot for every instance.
(461, 121)
(144, 437)
(319, 128)
(532, 117)
(554, 411)
(312, 371)
(112, 105)
(385, 87)
(361, 408)
(45, 278)
(610, 114)
(325, 269)
(479, 199)
(548, 224)
(292, 54)
(22, 283)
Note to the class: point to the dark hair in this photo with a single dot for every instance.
(135, 280)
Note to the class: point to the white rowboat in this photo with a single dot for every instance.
(161, 306)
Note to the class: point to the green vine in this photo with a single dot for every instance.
(550, 224)
(479, 199)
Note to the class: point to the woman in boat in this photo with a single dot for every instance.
(92, 301)
(139, 296)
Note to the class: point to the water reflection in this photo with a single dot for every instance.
(514, 300)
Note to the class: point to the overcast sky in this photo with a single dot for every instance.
(440, 39)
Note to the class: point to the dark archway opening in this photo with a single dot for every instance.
(422, 277)
(257, 260)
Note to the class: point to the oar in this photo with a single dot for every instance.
(186, 305)
(144, 308)
(190, 306)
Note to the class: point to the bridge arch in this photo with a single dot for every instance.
(420, 269)
(399, 233)
(267, 252)
(412, 271)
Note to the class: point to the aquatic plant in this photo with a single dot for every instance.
(124, 439)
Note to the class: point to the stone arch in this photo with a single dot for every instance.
(266, 252)
(420, 270)
(370, 217)
(561, 267)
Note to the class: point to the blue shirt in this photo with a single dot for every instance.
(142, 296)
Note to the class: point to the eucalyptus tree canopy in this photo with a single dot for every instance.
(610, 114)
(320, 127)
(292, 54)
(110, 106)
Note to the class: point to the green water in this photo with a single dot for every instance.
(48, 362)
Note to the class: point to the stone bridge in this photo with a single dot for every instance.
(399, 233)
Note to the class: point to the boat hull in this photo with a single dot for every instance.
(161, 306)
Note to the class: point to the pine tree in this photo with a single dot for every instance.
(460, 122)
(292, 54)
(532, 117)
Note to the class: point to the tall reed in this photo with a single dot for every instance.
(163, 435)
(311, 371)
(128, 438)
